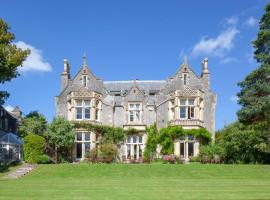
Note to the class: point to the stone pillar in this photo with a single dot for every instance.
(196, 148)
(93, 109)
(177, 148)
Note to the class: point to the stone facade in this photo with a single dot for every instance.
(184, 99)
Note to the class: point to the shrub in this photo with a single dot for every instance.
(172, 159)
(34, 146)
(43, 159)
(108, 152)
(195, 159)
(211, 153)
(92, 155)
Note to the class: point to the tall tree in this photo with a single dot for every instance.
(33, 123)
(254, 96)
(11, 57)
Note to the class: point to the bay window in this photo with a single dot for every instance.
(83, 109)
(187, 108)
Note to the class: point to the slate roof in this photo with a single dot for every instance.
(145, 86)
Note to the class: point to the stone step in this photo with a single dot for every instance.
(21, 171)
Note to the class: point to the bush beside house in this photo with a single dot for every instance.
(34, 147)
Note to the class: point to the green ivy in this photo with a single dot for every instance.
(168, 135)
(107, 134)
(151, 143)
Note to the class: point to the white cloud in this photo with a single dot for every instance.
(9, 108)
(228, 60)
(232, 21)
(35, 61)
(234, 99)
(216, 46)
(251, 22)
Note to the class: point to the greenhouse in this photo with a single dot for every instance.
(10, 147)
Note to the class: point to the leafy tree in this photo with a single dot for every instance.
(33, 123)
(11, 57)
(254, 96)
(60, 136)
(244, 144)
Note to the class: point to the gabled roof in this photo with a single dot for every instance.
(185, 67)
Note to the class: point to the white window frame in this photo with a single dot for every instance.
(83, 106)
(189, 108)
(84, 80)
(131, 143)
(134, 110)
(83, 142)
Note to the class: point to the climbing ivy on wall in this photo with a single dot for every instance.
(107, 134)
(151, 143)
(166, 137)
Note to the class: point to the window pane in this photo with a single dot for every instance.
(131, 116)
(131, 106)
(87, 113)
(134, 139)
(87, 136)
(84, 81)
(191, 102)
(140, 139)
(79, 136)
(182, 146)
(78, 113)
(138, 116)
(191, 112)
(182, 112)
(182, 102)
(137, 106)
(128, 151)
(87, 103)
(129, 139)
(190, 149)
(190, 137)
(87, 147)
(78, 102)
(185, 79)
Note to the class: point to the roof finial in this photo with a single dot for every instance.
(84, 60)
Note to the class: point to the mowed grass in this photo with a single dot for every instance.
(153, 181)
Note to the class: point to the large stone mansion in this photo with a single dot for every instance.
(184, 99)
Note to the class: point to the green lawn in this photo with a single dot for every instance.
(155, 181)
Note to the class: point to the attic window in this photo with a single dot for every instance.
(134, 91)
(84, 80)
(185, 78)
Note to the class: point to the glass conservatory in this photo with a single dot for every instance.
(10, 148)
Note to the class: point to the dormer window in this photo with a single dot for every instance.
(185, 75)
(84, 80)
